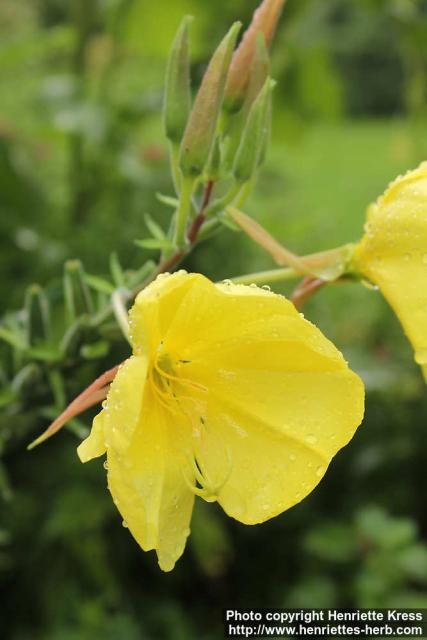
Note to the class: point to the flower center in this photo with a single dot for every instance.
(173, 390)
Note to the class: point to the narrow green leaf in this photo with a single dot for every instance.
(136, 278)
(73, 337)
(13, 338)
(116, 270)
(167, 200)
(99, 284)
(96, 350)
(154, 243)
(154, 228)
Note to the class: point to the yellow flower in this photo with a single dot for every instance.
(393, 254)
(231, 395)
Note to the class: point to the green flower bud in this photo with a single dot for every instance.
(235, 122)
(37, 315)
(201, 129)
(254, 135)
(78, 299)
(177, 100)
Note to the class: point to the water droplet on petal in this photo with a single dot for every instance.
(311, 439)
(125, 524)
(320, 471)
(105, 464)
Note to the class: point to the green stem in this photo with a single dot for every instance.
(244, 192)
(120, 312)
(174, 164)
(183, 212)
(221, 203)
(264, 277)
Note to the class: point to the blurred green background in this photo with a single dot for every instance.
(81, 158)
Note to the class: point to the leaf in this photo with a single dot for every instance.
(7, 396)
(228, 223)
(155, 229)
(95, 350)
(99, 284)
(167, 200)
(116, 270)
(13, 338)
(44, 353)
(154, 243)
(137, 277)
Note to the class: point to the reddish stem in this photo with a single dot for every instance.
(169, 263)
(305, 290)
(193, 232)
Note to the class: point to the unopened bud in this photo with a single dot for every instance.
(37, 315)
(264, 22)
(254, 135)
(200, 132)
(177, 101)
(78, 300)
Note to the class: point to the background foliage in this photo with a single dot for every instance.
(81, 159)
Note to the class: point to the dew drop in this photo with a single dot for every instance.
(125, 524)
(311, 439)
(105, 465)
(320, 471)
(253, 285)
(292, 457)
(227, 282)
(266, 287)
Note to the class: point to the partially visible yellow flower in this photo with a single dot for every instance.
(393, 254)
(231, 395)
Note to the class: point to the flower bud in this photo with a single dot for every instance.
(264, 22)
(37, 315)
(235, 123)
(78, 300)
(200, 132)
(177, 101)
(253, 141)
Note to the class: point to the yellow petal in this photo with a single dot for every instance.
(94, 445)
(277, 432)
(123, 406)
(393, 254)
(148, 484)
(281, 403)
(155, 307)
